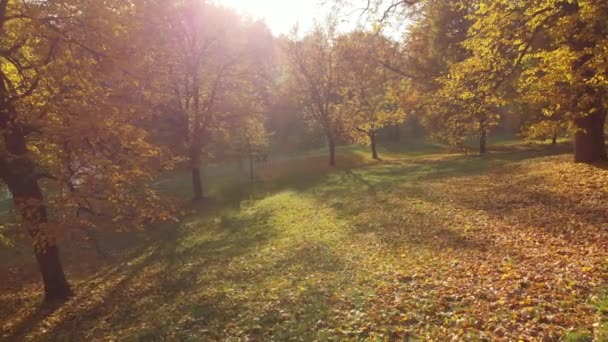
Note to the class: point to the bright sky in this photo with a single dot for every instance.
(281, 15)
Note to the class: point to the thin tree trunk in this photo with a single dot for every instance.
(589, 141)
(554, 139)
(372, 138)
(195, 161)
(396, 133)
(197, 183)
(332, 150)
(251, 175)
(483, 136)
(195, 149)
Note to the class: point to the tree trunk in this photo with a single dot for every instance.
(18, 172)
(197, 183)
(195, 161)
(251, 175)
(396, 133)
(29, 201)
(589, 143)
(554, 139)
(56, 287)
(197, 141)
(372, 138)
(483, 136)
(332, 150)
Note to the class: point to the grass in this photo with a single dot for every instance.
(420, 245)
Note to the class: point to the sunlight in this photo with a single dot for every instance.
(279, 15)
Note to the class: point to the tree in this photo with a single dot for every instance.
(69, 152)
(366, 100)
(314, 63)
(556, 51)
(456, 99)
(253, 142)
(467, 103)
(213, 62)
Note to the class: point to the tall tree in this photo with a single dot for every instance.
(314, 61)
(367, 100)
(210, 55)
(556, 51)
(66, 121)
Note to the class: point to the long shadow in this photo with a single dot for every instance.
(40, 313)
(392, 174)
(236, 235)
(528, 193)
(359, 179)
(71, 311)
(217, 311)
(398, 226)
(303, 175)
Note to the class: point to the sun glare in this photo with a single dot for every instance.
(280, 15)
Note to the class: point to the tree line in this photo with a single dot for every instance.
(100, 98)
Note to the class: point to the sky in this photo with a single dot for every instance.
(281, 15)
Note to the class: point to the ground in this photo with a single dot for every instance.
(422, 245)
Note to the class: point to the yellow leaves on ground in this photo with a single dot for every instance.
(428, 247)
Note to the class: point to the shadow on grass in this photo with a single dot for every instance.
(218, 271)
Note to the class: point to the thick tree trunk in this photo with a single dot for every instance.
(554, 139)
(372, 138)
(56, 287)
(589, 141)
(332, 150)
(483, 140)
(18, 172)
(29, 201)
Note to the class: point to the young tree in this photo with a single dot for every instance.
(209, 54)
(314, 63)
(252, 142)
(366, 100)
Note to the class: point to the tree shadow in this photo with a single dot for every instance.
(38, 314)
(152, 272)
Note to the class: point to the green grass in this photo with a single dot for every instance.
(418, 245)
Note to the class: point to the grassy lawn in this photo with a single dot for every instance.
(421, 245)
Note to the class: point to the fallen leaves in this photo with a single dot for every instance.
(514, 253)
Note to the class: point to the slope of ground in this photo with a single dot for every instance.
(418, 246)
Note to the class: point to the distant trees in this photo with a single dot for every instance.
(553, 51)
(344, 83)
(547, 54)
(253, 142)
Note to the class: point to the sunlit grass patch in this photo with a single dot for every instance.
(428, 246)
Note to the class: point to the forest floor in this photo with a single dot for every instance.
(421, 245)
